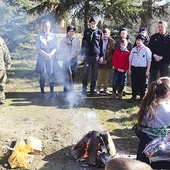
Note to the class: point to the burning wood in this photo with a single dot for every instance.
(95, 148)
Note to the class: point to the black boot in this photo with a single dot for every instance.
(42, 84)
(52, 89)
(132, 100)
(92, 93)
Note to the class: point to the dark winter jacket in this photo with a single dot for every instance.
(160, 45)
(92, 44)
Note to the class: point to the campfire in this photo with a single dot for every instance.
(95, 148)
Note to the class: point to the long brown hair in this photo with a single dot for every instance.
(156, 91)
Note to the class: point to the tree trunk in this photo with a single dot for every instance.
(147, 16)
(86, 14)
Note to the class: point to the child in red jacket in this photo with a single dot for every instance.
(120, 63)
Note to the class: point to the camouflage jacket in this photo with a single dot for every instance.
(5, 58)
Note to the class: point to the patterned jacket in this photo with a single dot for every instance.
(108, 56)
(70, 48)
(5, 58)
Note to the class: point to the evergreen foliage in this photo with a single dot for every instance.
(20, 17)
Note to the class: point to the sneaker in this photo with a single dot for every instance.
(2, 101)
(84, 93)
(132, 100)
(98, 91)
(106, 91)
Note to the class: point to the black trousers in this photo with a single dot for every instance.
(138, 79)
(93, 64)
(158, 67)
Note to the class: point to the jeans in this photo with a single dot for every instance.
(93, 64)
(118, 81)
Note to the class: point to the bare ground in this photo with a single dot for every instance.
(59, 123)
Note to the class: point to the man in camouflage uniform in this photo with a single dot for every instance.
(5, 64)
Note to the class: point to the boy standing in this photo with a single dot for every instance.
(105, 66)
(70, 49)
(124, 35)
(139, 67)
(120, 62)
(92, 52)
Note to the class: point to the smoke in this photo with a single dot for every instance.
(86, 121)
(19, 30)
(74, 99)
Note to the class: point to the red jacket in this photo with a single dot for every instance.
(120, 59)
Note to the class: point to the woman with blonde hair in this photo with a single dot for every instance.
(153, 118)
(46, 45)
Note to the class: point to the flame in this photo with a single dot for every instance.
(87, 146)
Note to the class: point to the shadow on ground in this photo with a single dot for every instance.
(63, 160)
(71, 100)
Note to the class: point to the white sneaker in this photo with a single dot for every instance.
(98, 91)
(106, 91)
(2, 101)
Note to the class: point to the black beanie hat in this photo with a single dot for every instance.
(140, 36)
(123, 29)
(70, 27)
(93, 19)
(142, 29)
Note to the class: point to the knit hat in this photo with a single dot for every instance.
(140, 36)
(70, 27)
(123, 29)
(142, 29)
(93, 19)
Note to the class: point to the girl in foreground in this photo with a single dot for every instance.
(154, 113)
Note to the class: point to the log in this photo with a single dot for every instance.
(111, 145)
(93, 148)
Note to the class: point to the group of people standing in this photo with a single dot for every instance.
(100, 53)
(46, 45)
(145, 59)
(142, 61)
